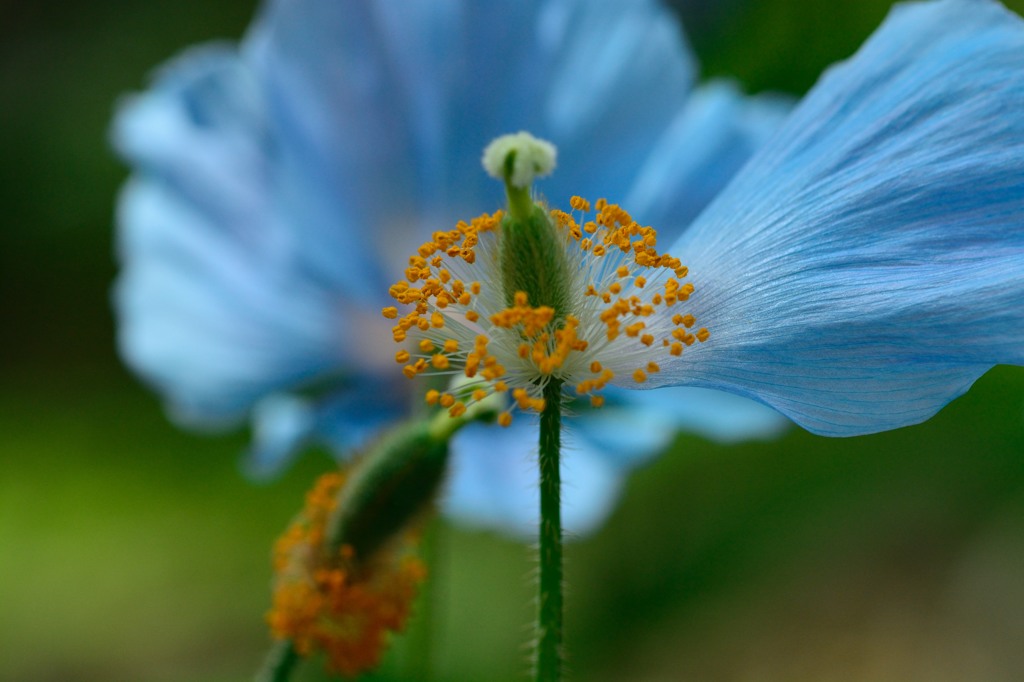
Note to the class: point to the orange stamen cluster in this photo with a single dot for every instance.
(614, 228)
(532, 325)
(336, 603)
(439, 289)
(620, 312)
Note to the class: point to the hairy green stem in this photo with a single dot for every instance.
(549, 626)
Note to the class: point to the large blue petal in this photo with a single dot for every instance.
(868, 265)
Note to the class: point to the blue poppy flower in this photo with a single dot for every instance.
(278, 185)
(864, 269)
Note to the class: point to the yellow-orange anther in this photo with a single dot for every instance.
(562, 219)
(580, 204)
(633, 330)
(531, 321)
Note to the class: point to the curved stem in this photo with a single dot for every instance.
(420, 636)
(549, 627)
(280, 662)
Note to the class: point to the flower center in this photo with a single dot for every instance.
(621, 314)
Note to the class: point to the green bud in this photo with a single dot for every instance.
(533, 259)
(389, 488)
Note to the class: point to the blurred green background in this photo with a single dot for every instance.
(132, 551)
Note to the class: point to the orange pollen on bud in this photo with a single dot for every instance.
(336, 602)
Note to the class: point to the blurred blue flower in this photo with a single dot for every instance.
(278, 186)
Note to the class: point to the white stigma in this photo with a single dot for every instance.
(533, 158)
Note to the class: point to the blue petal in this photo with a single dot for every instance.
(494, 477)
(709, 140)
(282, 425)
(343, 419)
(633, 426)
(213, 308)
(868, 265)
